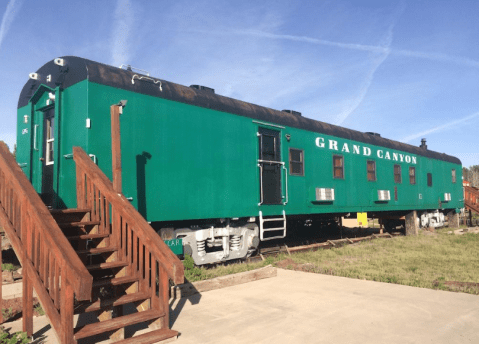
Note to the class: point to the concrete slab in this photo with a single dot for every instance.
(12, 290)
(298, 307)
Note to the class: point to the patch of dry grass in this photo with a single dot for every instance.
(427, 260)
(424, 261)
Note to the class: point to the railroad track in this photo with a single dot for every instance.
(325, 244)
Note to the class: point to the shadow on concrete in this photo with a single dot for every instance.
(178, 298)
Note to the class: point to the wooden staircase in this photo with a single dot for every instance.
(102, 259)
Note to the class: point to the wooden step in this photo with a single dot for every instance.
(69, 211)
(78, 224)
(88, 236)
(113, 302)
(150, 337)
(70, 215)
(105, 266)
(116, 323)
(98, 250)
(115, 281)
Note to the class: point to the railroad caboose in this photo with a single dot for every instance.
(219, 173)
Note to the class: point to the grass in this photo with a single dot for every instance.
(194, 273)
(427, 260)
(10, 267)
(39, 309)
(7, 313)
(420, 261)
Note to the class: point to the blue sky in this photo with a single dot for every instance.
(404, 69)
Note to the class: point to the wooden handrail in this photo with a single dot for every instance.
(126, 224)
(471, 190)
(471, 197)
(50, 263)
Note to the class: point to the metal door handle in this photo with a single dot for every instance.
(35, 137)
(42, 159)
(261, 183)
(286, 182)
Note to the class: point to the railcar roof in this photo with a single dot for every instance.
(78, 69)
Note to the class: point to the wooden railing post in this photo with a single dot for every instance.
(27, 298)
(115, 111)
(66, 310)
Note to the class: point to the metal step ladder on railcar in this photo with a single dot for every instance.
(272, 226)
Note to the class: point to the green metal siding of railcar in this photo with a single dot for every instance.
(182, 161)
(201, 163)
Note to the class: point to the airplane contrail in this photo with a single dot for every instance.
(124, 19)
(459, 60)
(12, 9)
(439, 128)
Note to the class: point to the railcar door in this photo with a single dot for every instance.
(48, 156)
(42, 153)
(270, 165)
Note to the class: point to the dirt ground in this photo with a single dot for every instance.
(12, 309)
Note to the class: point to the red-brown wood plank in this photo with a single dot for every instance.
(116, 323)
(27, 300)
(116, 148)
(124, 233)
(114, 302)
(134, 243)
(150, 337)
(115, 281)
(164, 295)
(66, 314)
(110, 265)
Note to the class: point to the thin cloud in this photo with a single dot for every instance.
(369, 79)
(459, 60)
(439, 128)
(363, 90)
(122, 26)
(12, 9)
(462, 61)
(362, 47)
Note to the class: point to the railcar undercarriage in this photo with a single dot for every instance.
(215, 243)
(221, 240)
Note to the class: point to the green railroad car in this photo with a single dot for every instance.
(218, 173)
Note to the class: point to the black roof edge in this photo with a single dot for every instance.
(78, 69)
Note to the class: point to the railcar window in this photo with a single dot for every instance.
(50, 122)
(453, 175)
(269, 148)
(412, 175)
(397, 174)
(338, 166)
(371, 166)
(429, 179)
(296, 162)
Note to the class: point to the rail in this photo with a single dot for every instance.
(50, 264)
(148, 257)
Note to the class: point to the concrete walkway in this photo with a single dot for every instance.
(298, 307)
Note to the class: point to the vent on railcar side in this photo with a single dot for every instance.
(324, 194)
(203, 88)
(297, 113)
(384, 195)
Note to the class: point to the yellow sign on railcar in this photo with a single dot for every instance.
(362, 219)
